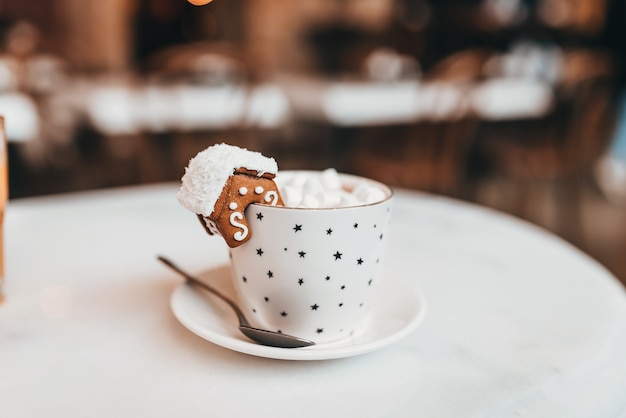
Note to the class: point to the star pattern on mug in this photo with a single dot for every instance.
(337, 236)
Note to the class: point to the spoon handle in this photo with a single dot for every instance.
(205, 286)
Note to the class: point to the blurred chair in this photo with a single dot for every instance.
(428, 156)
(195, 95)
(431, 154)
(208, 64)
(528, 59)
(463, 66)
(543, 165)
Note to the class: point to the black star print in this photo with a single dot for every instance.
(245, 279)
(370, 282)
(259, 216)
(327, 278)
(297, 228)
(337, 255)
(314, 307)
(381, 236)
(329, 231)
(270, 274)
(266, 299)
(259, 251)
(341, 304)
(319, 330)
(343, 287)
(300, 281)
(356, 225)
(302, 253)
(283, 313)
(359, 261)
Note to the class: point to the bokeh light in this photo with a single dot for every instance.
(199, 2)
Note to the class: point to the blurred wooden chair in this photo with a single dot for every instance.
(430, 154)
(187, 86)
(542, 166)
(463, 66)
(201, 63)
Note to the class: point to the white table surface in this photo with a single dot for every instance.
(519, 324)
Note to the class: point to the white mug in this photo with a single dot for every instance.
(312, 273)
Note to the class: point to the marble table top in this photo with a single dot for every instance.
(519, 323)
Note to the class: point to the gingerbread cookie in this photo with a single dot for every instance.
(219, 184)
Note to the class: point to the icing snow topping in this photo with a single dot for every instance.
(209, 170)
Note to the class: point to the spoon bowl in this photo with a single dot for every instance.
(261, 336)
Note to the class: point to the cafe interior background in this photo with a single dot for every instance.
(511, 104)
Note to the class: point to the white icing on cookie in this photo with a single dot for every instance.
(212, 227)
(239, 235)
(272, 197)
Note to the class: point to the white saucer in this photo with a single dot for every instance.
(399, 311)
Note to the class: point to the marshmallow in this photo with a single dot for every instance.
(330, 179)
(310, 201)
(325, 190)
(292, 196)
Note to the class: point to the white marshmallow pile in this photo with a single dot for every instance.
(324, 190)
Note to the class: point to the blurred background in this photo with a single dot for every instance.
(512, 104)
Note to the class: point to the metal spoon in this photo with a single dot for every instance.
(261, 336)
